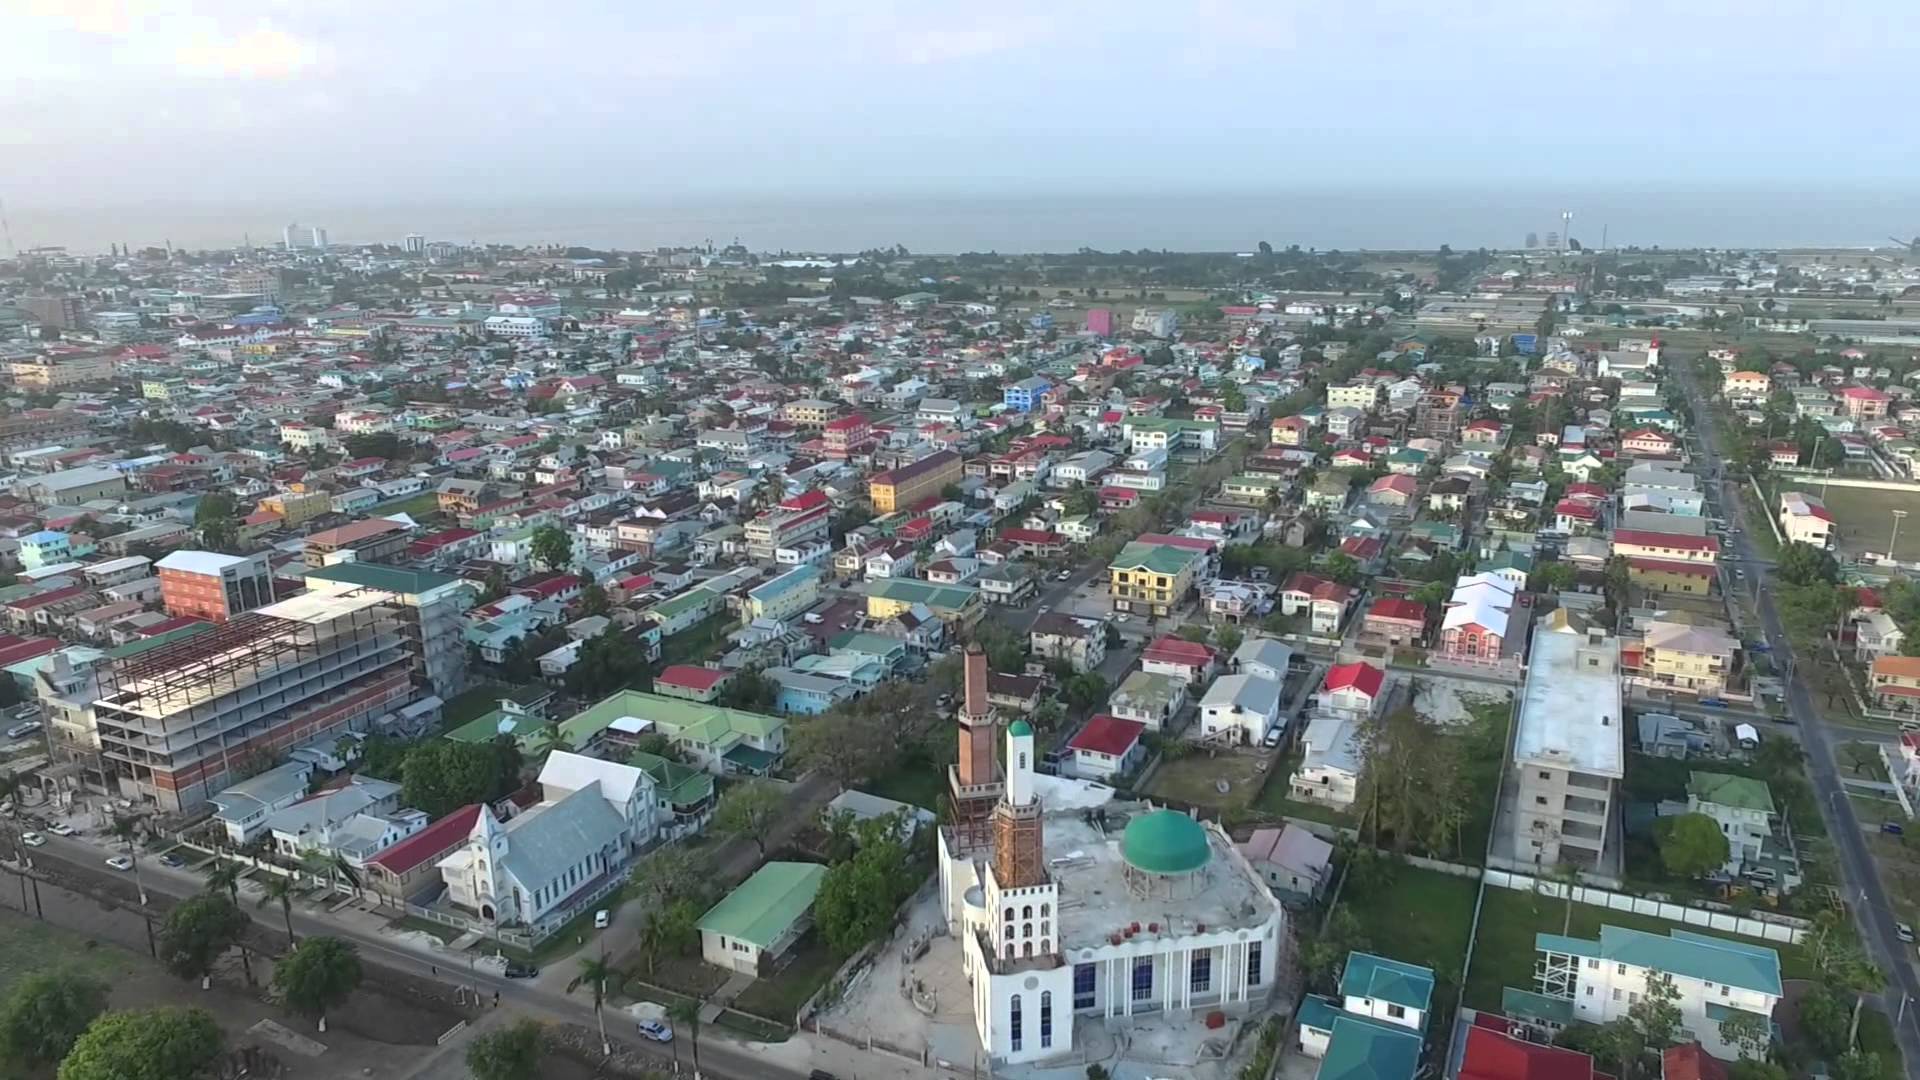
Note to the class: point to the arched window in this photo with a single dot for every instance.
(1043, 910)
(1027, 912)
(1043, 926)
(1013, 1027)
(1009, 913)
(1026, 929)
(1009, 950)
(1027, 949)
(1046, 1019)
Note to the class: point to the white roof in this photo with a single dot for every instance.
(318, 607)
(198, 562)
(1570, 711)
(574, 771)
(1481, 599)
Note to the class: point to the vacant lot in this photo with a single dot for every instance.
(1504, 953)
(1422, 917)
(1193, 780)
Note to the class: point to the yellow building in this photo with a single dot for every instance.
(295, 507)
(1695, 658)
(898, 489)
(49, 372)
(1149, 577)
(809, 412)
(1896, 683)
(956, 605)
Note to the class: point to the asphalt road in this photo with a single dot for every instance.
(719, 1057)
(1865, 895)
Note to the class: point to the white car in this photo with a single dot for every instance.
(1120, 616)
(655, 1030)
(33, 839)
(120, 862)
(1903, 931)
(601, 918)
(60, 828)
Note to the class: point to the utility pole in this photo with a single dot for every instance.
(1894, 540)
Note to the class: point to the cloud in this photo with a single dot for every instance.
(265, 52)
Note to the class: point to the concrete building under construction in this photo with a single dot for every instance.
(180, 722)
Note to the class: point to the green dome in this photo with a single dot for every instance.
(1165, 842)
(1020, 729)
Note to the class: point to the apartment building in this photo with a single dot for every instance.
(1695, 659)
(1152, 578)
(1714, 978)
(793, 522)
(211, 586)
(910, 484)
(179, 722)
(430, 608)
(809, 412)
(1568, 754)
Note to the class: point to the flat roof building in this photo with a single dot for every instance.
(1569, 753)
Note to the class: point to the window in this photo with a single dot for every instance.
(1083, 977)
(1026, 929)
(1616, 993)
(1009, 914)
(1633, 997)
(1545, 775)
(1046, 1019)
(1620, 969)
(1200, 974)
(1045, 910)
(1142, 979)
(1253, 963)
(1013, 1026)
(1027, 912)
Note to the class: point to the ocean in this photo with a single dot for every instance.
(1346, 219)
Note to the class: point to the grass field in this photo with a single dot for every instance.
(1422, 917)
(809, 964)
(27, 948)
(1863, 516)
(1190, 780)
(1504, 953)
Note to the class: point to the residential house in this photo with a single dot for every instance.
(1080, 642)
(1239, 709)
(1681, 656)
(1151, 699)
(1105, 747)
(1895, 682)
(1188, 660)
(1714, 978)
(1152, 578)
(1296, 864)
(755, 924)
(1396, 620)
(1805, 519)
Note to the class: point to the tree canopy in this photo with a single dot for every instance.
(197, 931)
(45, 1012)
(1691, 845)
(552, 547)
(510, 1053)
(440, 776)
(145, 1044)
(859, 894)
(750, 810)
(319, 974)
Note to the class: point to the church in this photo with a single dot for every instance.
(1070, 909)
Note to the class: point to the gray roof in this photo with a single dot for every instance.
(1248, 692)
(333, 806)
(549, 839)
(1270, 653)
(255, 793)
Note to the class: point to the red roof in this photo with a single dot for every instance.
(1030, 536)
(806, 500)
(1357, 676)
(1173, 650)
(846, 423)
(26, 649)
(1106, 734)
(1666, 540)
(1394, 607)
(38, 600)
(691, 677)
(428, 843)
(1190, 543)
(1495, 1055)
(1362, 547)
(1690, 1062)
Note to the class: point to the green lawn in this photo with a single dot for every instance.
(471, 705)
(1486, 742)
(1422, 917)
(753, 1028)
(1876, 1037)
(808, 966)
(416, 507)
(1509, 919)
(28, 947)
(699, 642)
(1191, 780)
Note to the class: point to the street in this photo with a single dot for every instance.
(1863, 891)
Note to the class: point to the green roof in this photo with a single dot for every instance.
(1516, 1002)
(906, 590)
(1158, 558)
(693, 720)
(1409, 986)
(1165, 842)
(1020, 729)
(1362, 1048)
(1682, 952)
(388, 578)
(681, 785)
(766, 905)
(1739, 792)
(140, 645)
(527, 729)
(1318, 1012)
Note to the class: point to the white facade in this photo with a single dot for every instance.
(1712, 976)
(515, 326)
(1239, 708)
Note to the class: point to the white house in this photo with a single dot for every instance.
(243, 809)
(1741, 806)
(1715, 978)
(534, 867)
(630, 790)
(1352, 690)
(1805, 519)
(1239, 709)
(1329, 771)
(353, 821)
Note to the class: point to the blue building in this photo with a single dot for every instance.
(1028, 394)
(803, 694)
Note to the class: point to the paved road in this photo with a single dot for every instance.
(719, 1056)
(1865, 894)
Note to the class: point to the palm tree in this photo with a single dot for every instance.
(687, 1012)
(280, 888)
(125, 828)
(595, 973)
(225, 875)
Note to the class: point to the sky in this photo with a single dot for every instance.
(128, 102)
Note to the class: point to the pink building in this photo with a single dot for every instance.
(1100, 322)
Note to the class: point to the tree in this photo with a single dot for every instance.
(608, 661)
(45, 1012)
(1322, 954)
(1342, 568)
(144, 1044)
(668, 874)
(686, 1013)
(225, 877)
(442, 775)
(594, 600)
(511, 1053)
(750, 690)
(197, 931)
(1084, 691)
(595, 971)
(1803, 564)
(1556, 576)
(1748, 1069)
(1824, 1020)
(845, 742)
(1750, 1034)
(1691, 845)
(280, 889)
(319, 974)
(1657, 1014)
(217, 521)
(750, 810)
(552, 547)
(1857, 1065)
(858, 896)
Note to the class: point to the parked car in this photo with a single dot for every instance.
(1273, 738)
(120, 862)
(19, 730)
(1892, 828)
(1713, 703)
(33, 839)
(1063, 575)
(172, 861)
(1903, 931)
(521, 971)
(60, 828)
(601, 918)
(655, 1030)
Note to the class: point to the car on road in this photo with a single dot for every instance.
(19, 730)
(1119, 616)
(1713, 703)
(120, 862)
(1273, 738)
(601, 918)
(1064, 575)
(1893, 828)
(1903, 931)
(521, 971)
(60, 828)
(172, 861)
(655, 1030)
(33, 839)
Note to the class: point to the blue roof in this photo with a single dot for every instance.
(1318, 1012)
(1682, 952)
(1370, 976)
(1363, 1048)
(785, 583)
